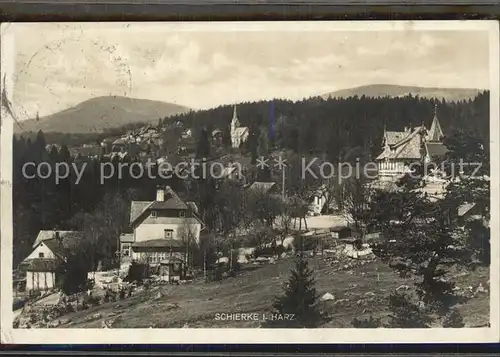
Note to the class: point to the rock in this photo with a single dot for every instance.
(480, 289)
(54, 323)
(158, 295)
(327, 297)
(185, 326)
(340, 301)
(404, 287)
(369, 293)
(96, 315)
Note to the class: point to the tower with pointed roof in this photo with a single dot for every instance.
(401, 149)
(435, 134)
(239, 134)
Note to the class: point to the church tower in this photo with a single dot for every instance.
(435, 133)
(235, 123)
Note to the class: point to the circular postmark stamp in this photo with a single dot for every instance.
(48, 74)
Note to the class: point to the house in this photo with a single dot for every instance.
(400, 149)
(239, 134)
(48, 253)
(188, 133)
(269, 188)
(317, 202)
(161, 228)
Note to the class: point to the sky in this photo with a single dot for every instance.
(60, 65)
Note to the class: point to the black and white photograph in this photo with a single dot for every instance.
(282, 181)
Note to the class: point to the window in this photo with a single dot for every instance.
(126, 249)
(182, 214)
(41, 255)
(154, 214)
(169, 233)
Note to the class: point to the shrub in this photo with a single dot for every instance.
(453, 319)
(366, 323)
(405, 313)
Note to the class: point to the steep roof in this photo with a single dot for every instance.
(436, 149)
(171, 201)
(262, 186)
(59, 247)
(407, 148)
(393, 137)
(45, 235)
(435, 133)
(241, 131)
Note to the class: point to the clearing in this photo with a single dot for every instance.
(359, 291)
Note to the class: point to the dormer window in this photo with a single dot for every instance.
(154, 214)
(182, 214)
(41, 255)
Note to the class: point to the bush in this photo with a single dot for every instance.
(137, 272)
(366, 323)
(453, 320)
(92, 300)
(405, 313)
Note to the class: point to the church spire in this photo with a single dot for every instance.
(435, 133)
(235, 114)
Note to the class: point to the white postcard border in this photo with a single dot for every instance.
(261, 336)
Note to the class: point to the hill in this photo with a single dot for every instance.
(96, 114)
(383, 90)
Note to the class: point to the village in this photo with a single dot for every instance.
(162, 262)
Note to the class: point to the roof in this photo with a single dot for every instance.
(47, 235)
(393, 137)
(241, 131)
(171, 201)
(435, 133)
(407, 148)
(127, 238)
(158, 243)
(41, 265)
(436, 149)
(262, 186)
(465, 208)
(338, 228)
(172, 260)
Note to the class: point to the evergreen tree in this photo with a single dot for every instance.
(300, 299)
(203, 148)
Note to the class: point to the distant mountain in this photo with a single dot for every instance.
(383, 90)
(96, 114)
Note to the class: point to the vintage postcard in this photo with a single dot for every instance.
(288, 182)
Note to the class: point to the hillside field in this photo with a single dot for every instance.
(359, 291)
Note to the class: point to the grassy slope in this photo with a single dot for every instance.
(254, 291)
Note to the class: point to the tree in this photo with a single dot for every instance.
(203, 147)
(419, 241)
(299, 300)
(356, 210)
(73, 270)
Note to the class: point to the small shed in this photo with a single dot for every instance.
(341, 232)
(172, 269)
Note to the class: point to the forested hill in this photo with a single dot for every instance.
(331, 125)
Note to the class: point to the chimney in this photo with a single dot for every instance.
(160, 194)
(57, 236)
(406, 129)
